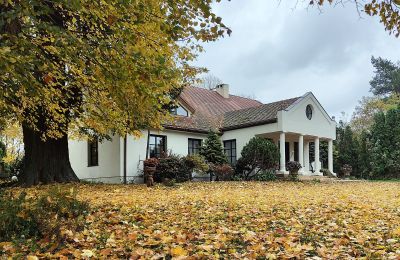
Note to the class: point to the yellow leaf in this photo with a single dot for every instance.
(396, 232)
(178, 251)
(87, 253)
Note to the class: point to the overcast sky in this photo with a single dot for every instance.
(277, 51)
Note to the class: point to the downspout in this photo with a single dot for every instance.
(148, 144)
(125, 144)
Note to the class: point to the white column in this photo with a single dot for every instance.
(316, 159)
(330, 155)
(301, 151)
(291, 151)
(282, 152)
(307, 157)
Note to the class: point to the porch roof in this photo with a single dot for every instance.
(259, 115)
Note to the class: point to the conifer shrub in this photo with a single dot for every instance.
(212, 150)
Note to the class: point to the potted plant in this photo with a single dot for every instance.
(293, 168)
(149, 168)
(346, 170)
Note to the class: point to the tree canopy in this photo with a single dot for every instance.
(102, 65)
(386, 80)
(94, 68)
(388, 11)
(363, 116)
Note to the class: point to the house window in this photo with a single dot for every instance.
(179, 111)
(157, 145)
(309, 112)
(93, 153)
(230, 150)
(296, 151)
(194, 146)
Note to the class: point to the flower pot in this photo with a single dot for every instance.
(293, 175)
(150, 169)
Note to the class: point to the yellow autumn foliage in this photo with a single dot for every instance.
(232, 220)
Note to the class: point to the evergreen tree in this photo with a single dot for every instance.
(212, 149)
(364, 163)
(387, 77)
(347, 147)
(385, 142)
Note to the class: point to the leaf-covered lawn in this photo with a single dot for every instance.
(235, 220)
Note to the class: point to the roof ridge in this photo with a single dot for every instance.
(246, 98)
(262, 104)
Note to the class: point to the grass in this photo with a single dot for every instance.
(231, 220)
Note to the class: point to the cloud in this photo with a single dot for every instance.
(277, 51)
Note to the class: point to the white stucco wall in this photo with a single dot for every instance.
(295, 120)
(244, 135)
(177, 142)
(109, 160)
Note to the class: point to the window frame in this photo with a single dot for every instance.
(93, 153)
(164, 143)
(232, 159)
(309, 111)
(175, 111)
(192, 148)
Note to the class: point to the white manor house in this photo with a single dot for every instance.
(292, 124)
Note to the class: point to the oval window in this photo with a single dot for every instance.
(309, 111)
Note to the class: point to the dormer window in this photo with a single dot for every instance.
(179, 111)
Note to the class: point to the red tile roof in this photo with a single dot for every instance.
(210, 102)
(212, 111)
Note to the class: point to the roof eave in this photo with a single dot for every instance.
(235, 127)
(184, 129)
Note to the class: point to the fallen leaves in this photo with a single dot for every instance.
(234, 220)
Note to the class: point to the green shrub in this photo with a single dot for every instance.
(196, 163)
(266, 175)
(172, 167)
(22, 217)
(169, 182)
(258, 155)
(178, 168)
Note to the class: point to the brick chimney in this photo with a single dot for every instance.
(223, 90)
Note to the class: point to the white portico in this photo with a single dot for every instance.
(303, 123)
(296, 147)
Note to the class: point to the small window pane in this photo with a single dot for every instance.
(180, 111)
(194, 146)
(157, 145)
(230, 151)
(93, 153)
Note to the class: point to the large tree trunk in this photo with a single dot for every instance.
(45, 161)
